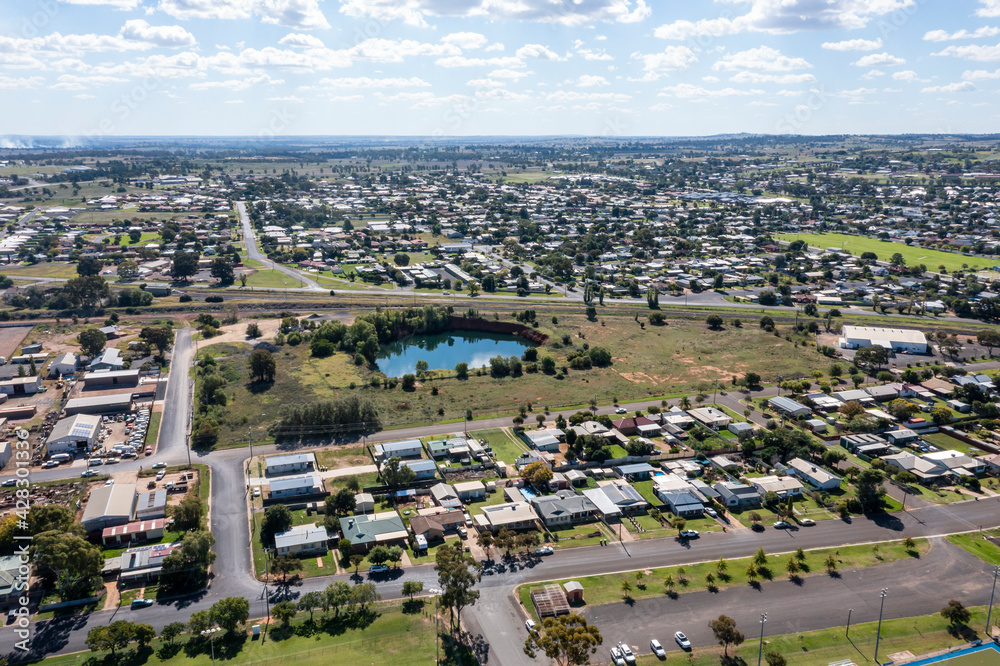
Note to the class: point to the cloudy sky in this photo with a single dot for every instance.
(474, 67)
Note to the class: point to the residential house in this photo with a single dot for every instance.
(293, 462)
(815, 476)
(12, 583)
(616, 497)
(565, 507)
(902, 436)
(109, 359)
(302, 540)
(471, 491)
(513, 516)
(788, 407)
(407, 448)
(296, 486)
(737, 495)
(711, 417)
(635, 472)
(445, 496)
(367, 530)
(433, 526)
(782, 486)
(423, 469)
(852, 442)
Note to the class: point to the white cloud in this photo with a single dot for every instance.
(117, 4)
(420, 100)
(299, 39)
(784, 79)
(576, 96)
(485, 83)
(879, 60)
(763, 58)
(972, 52)
(466, 40)
(990, 8)
(591, 81)
(945, 36)
(669, 59)
(388, 50)
(873, 74)
(84, 96)
(515, 74)
(590, 54)
(496, 46)
(577, 13)
(980, 75)
(8, 82)
(462, 61)
(79, 82)
(690, 91)
(537, 51)
(236, 85)
(291, 99)
(961, 86)
(854, 45)
(299, 14)
(357, 82)
(787, 16)
(168, 36)
(905, 75)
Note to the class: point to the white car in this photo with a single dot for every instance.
(256, 491)
(160, 475)
(621, 410)
(682, 640)
(87, 473)
(709, 511)
(689, 534)
(544, 550)
(627, 653)
(529, 625)
(780, 524)
(807, 522)
(159, 465)
(617, 658)
(657, 649)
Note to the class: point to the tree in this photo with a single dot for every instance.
(284, 611)
(626, 588)
(310, 601)
(230, 612)
(537, 474)
(262, 365)
(187, 566)
(679, 524)
(253, 331)
(87, 291)
(412, 587)
(341, 503)
(714, 322)
(199, 621)
(568, 640)
(277, 519)
(185, 265)
(128, 270)
(726, 632)
(869, 489)
(485, 540)
(852, 409)
(172, 631)
(88, 266)
(458, 574)
(42, 518)
(187, 514)
(356, 559)
(774, 658)
(118, 635)
(462, 370)
(401, 259)
(956, 613)
(397, 475)
(92, 341)
(941, 415)
(909, 544)
(378, 554)
(160, 337)
(752, 379)
(284, 565)
(222, 270)
(988, 338)
(67, 559)
(874, 357)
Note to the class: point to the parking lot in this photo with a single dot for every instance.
(123, 436)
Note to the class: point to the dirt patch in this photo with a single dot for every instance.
(642, 378)
(11, 338)
(238, 332)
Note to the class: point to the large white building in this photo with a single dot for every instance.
(895, 339)
(74, 434)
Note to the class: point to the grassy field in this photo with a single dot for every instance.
(919, 635)
(343, 456)
(946, 441)
(51, 269)
(273, 279)
(607, 589)
(977, 544)
(913, 255)
(677, 359)
(389, 636)
(503, 444)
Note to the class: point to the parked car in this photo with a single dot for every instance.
(617, 658)
(689, 534)
(682, 640)
(627, 653)
(160, 475)
(780, 524)
(621, 410)
(50, 463)
(159, 465)
(87, 473)
(657, 649)
(93, 462)
(544, 550)
(141, 603)
(256, 491)
(711, 512)
(529, 625)
(377, 569)
(8, 483)
(149, 450)
(807, 521)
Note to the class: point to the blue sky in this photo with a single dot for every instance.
(474, 67)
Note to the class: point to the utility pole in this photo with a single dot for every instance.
(878, 632)
(849, 611)
(760, 649)
(989, 613)
(250, 442)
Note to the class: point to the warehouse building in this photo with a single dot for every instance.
(109, 506)
(894, 339)
(74, 434)
(63, 365)
(106, 378)
(21, 385)
(100, 404)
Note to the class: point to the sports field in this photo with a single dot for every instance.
(914, 255)
(988, 657)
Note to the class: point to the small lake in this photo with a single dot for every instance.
(446, 350)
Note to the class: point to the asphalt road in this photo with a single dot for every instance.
(254, 252)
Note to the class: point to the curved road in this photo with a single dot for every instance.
(254, 252)
(497, 618)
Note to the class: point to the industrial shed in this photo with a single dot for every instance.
(895, 339)
(105, 378)
(100, 404)
(109, 506)
(74, 434)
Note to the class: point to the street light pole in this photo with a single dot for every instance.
(760, 649)
(849, 611)
(211, 637)
(878, 632)
(989, 613)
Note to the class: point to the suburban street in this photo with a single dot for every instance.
(253, 251)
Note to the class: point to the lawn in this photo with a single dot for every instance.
(947, 442)
(606, 589)
(919, 635)
(492, 499)
(153, 432)
(977, 544)
(273, 279)
(392, 637)
(343, 456)
(504, 446)
(913, 255)
(578, 535)
(52, 269)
